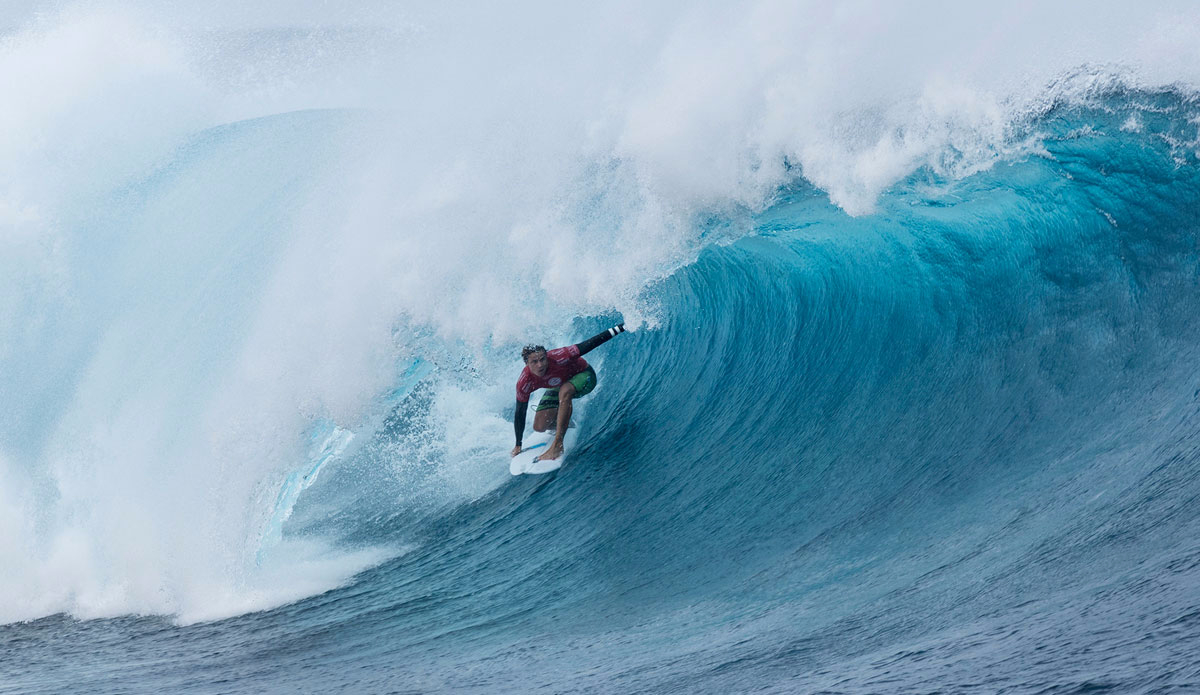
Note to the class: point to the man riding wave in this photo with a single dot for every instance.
(567, 375)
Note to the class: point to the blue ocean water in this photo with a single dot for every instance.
(948, 443)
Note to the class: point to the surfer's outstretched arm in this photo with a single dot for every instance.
(600, 338)
(519, 425)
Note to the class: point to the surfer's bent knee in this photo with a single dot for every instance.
(543, 419)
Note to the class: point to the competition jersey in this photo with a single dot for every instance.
(562, 364)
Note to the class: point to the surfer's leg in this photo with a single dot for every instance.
(547, 411)
(565, 393)
(579, 385)
(543, 419)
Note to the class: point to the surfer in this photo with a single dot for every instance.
(566, 375)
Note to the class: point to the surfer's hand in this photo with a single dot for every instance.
(516, 450)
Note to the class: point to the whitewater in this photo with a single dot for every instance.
(908, 401)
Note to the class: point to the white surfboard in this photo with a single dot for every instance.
(535, 445)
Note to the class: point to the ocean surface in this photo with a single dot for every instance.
(909, 401)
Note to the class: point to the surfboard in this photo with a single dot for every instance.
(535, 444)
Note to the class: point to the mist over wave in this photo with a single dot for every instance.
(911, 292)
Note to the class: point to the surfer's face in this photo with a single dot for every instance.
(537, 363)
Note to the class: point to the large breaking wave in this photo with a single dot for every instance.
(910, 396)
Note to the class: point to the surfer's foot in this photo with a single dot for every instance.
(553, 452)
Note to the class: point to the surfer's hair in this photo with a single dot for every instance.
(530, 349)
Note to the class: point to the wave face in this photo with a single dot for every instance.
(908, 399)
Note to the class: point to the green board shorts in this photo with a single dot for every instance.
(584, 382)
